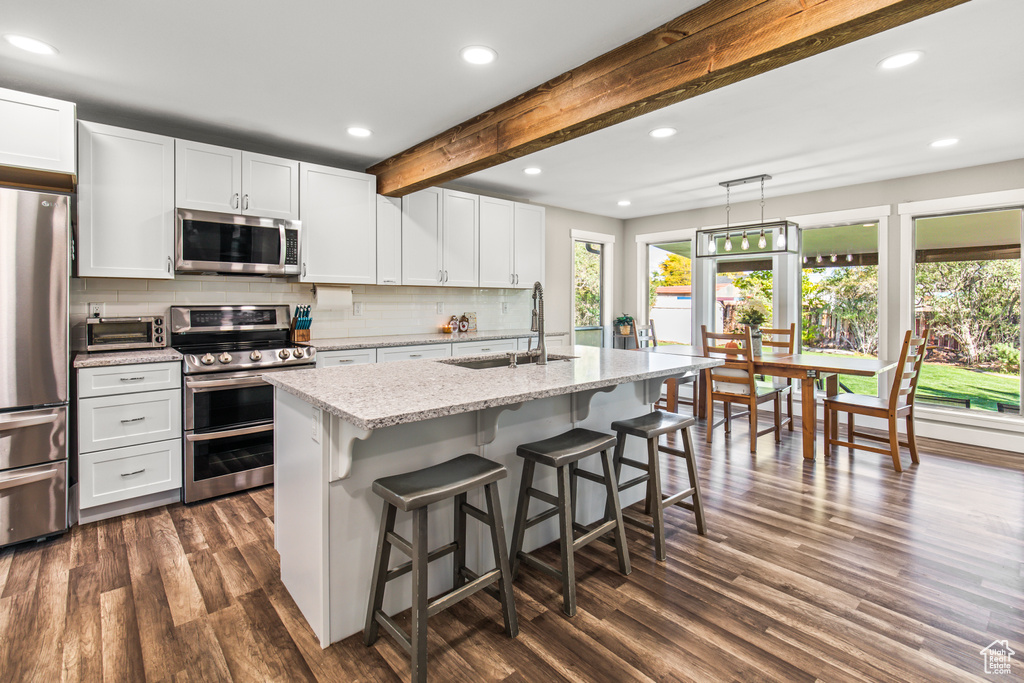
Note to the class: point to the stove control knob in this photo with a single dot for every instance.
(283, 354)
(225, 358)
(208, 359)
(255, 355)
(298, 353)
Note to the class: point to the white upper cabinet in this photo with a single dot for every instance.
(496, 242)
(125, 203)
(339, 226)
(389, 240)
(461, 237)
(528, 261)
(270, 186)
(37, 132)
(212, 178)
(421, 238)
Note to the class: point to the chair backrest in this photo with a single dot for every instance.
(644, 335)
(908, 369)
(782, 338)
(736, 376)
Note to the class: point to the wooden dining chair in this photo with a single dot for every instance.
(900, 403)
(783, 339)
(645, 337)
(734, 382)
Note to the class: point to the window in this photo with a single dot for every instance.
(967, 286)
(839, 296)
(736, 281)
(588, 305)
(670, 291)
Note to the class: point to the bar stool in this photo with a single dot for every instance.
(649, 427)
(414, 492)
(563, 452)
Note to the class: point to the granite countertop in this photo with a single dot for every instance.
(103, 358)
(343, 343)
(378, 395)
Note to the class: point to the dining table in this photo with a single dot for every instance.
(801, 366)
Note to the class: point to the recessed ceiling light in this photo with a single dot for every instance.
(478, 54)
(900, 60)
(359, 132)
(624, 202)
(663, 132)
(531, 170)
(30, 44)
(945, 142)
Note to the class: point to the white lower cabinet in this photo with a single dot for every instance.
(482, 347)
(333, 359)
(120, 474)
(129, 438)
(420, 352)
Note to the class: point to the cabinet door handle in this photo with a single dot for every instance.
(133, 419)
(303, 269)
(168, 264)
(511, 279)
(132, 474)
(245, 203)
(234, 201)
(446, 276)
(440, 276)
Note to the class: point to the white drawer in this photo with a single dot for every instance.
(122, 473)
(420, 352)
(331, 359)
(128, 379)
(116, 421)
(481, 347)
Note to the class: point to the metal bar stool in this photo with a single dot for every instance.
(649, 427)
(563, 452)
(414, 492)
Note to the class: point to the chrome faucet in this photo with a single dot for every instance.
(537, 323)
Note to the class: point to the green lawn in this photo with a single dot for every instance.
(984, 389)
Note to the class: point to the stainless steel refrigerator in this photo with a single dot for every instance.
(33, 364)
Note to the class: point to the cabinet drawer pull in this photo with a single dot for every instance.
(344, 360)
(133, 419)
(132, 379)
(415, 355)
(486, 349)
(132, 474)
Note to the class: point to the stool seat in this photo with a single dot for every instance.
(652, 424)
(566, 448)
(429, 485)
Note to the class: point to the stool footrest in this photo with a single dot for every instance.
(672, 451)
(593, 533)
(590, 476)
(542, 495)
(398, 542)
(543, 516)
(532, 561)
(477, 514)
(452, 597)
(638, 523)
(406, 567)
(675, 498)
(473, 576)
(633, 482)
(634, 463)
(396, 632)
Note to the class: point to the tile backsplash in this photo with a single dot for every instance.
(386, 309)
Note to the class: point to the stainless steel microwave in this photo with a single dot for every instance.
(207, 242)
(117, 334)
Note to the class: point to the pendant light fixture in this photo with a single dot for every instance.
(774, 237)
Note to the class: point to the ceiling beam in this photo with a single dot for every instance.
(719, 43)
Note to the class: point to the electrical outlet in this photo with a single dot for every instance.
(315, 425)
(357, 308)
(95, 310)
(504, 307)
(440, 307)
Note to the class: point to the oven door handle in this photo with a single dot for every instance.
(231, 432)
(207, 384)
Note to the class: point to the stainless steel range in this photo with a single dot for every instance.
(229, 409)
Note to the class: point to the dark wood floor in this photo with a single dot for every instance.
(835, 570)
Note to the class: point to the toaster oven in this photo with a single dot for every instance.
(117, 334)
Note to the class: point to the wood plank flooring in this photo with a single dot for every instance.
(837, 570)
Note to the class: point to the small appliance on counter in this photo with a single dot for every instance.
(120, 334)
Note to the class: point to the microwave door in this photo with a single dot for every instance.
(228, 245)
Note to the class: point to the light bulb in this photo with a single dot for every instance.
(818, 259)
(833, 258)
(728, 242)
(712, 246)
(745, 244)
(849, 258)
(781, 242)
(761, 241)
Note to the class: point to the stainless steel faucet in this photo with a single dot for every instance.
(537, 323)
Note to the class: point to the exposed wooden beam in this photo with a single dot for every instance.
(719, 43)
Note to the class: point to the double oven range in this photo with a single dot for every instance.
(228, 408)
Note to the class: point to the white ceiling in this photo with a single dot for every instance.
(293, 76)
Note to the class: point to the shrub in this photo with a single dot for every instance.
(1009, 358)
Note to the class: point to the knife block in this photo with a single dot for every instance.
(298, 336)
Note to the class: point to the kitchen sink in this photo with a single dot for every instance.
(502, 361)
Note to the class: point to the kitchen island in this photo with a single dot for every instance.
(338, 429)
